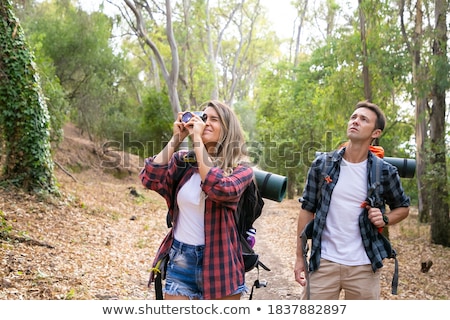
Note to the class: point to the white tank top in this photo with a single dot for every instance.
(190, 227)
(341, 238)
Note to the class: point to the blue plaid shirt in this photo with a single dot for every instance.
(317, 194)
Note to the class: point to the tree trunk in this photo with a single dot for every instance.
(440, 233)
(25, 121)
(421, 114)
(365, 72)
(421, 136)
(301, 16)
(212, 54)
(171, 78)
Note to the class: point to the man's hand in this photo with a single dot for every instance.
(299, 271)
(375, 216)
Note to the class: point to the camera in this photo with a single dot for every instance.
(188, 116)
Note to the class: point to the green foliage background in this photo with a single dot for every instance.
(110, 89)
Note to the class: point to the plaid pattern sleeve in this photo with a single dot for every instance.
(159, 178)
(317, 180)
(223, 263)
(392, 193)
(322, 177)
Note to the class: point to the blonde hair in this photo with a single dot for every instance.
(230, 149)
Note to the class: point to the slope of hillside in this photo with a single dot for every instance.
(98, 239)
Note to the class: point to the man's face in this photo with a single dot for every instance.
(361, 125)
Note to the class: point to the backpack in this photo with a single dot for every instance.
(374, 200)
(249, 209)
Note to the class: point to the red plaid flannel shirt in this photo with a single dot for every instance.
(222, 264)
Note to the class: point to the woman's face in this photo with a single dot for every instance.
(211, 133)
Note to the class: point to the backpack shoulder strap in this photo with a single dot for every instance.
(376, 183)
(249, 207)
(248, 210)
(376, 170)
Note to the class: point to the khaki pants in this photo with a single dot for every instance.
(358, 282)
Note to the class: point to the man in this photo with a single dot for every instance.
(339, 258)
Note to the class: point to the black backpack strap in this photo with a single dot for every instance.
(376, 183)
(395, 276)
(159, 271)
(158, 287)
(375, 180)
(262, 265)
(257, 284)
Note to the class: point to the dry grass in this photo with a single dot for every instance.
(97, 241)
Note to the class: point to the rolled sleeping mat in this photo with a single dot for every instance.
(406, 167)
(271, 186)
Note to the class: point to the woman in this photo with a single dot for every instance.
(205, 258)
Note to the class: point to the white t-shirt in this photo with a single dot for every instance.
(341, 238)
(190, 227)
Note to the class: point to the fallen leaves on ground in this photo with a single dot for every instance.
(98, 239)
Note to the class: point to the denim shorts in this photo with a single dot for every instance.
(184, 271)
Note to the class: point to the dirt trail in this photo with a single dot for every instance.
(103, 239)
(275, 243)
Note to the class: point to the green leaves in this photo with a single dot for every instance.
(24, 115)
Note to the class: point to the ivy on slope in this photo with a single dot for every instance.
(24, 117)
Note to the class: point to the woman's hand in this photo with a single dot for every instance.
(179, 128)
(195, 126)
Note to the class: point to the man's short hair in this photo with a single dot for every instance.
(381, 118)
